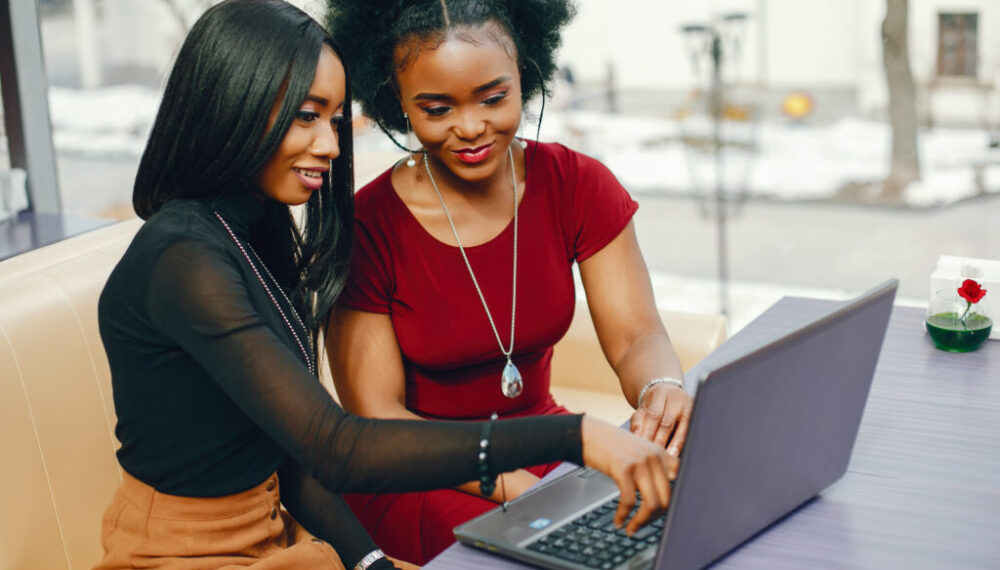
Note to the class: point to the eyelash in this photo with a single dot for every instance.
(495, 99)
(490, 101)
(310, 116)
(436, 111)
(307, 116)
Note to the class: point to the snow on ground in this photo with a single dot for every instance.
(779, 160)
(109, 121)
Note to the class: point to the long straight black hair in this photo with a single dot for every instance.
(211, 138)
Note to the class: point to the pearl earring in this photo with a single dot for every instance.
(410, 161)
(520, 138)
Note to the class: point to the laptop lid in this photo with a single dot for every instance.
(771, 428)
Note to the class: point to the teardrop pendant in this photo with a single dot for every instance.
(511, 384)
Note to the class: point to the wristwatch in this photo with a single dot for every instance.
(369, 559)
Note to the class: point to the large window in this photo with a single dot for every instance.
(804, 143)
(958, 36)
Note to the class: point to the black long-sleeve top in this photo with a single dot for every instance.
(213, 393)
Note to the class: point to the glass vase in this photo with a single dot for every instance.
(956, 325)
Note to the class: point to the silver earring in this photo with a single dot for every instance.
(410, 161)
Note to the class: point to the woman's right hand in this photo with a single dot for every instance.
(634, 464)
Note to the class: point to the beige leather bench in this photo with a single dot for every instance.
(56, 413)
(582, 379)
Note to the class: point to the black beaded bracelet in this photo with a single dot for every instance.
(487, 482)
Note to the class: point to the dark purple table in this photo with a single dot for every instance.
(923, 487)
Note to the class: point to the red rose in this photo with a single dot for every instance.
(971, 291)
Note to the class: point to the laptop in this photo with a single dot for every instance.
(771, 427)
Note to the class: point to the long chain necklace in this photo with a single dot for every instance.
(511, 383)
(310, 362)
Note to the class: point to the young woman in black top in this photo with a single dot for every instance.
(210, 323)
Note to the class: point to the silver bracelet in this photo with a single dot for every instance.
(369, 559)
(654, 382)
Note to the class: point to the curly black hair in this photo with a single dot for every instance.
(370, 30)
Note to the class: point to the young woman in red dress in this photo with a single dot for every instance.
(210, 319)
(462, 276)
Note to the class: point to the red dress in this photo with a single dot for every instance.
(572, 207)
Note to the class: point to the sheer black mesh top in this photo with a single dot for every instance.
(213, 393)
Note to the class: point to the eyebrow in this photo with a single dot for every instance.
(322, 101)
(484, 87)
(317, 99)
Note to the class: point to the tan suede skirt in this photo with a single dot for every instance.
(144, 528)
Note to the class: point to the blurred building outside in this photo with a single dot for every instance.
(631, 95)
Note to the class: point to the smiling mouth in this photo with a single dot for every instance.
(311, 179)
(474, 155)
(309, 173)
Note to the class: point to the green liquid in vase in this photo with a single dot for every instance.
(948, 332)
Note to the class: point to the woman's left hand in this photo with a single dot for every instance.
(663, 417)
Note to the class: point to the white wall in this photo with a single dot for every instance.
(808, 43)
(949, 101)
(789, 44)
(141, 33)
(144, 33)
(813, 43)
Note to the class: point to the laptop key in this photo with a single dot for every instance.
(645, 532)
(592, 539)
(544, 548)
(602, 521)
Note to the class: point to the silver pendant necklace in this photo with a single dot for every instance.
(511, 383)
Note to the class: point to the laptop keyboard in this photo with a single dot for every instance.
(592, 539)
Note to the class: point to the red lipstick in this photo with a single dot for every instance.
(474, 155)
